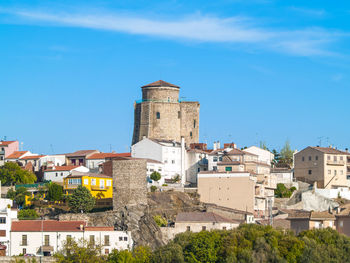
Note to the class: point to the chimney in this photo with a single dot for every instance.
(218, 144)
(347, 150)
(81, 227)
(214, 147)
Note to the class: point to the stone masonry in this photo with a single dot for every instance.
(160, 115)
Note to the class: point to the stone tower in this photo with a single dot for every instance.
(161, 115)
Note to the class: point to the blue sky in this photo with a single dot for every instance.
(263, 70)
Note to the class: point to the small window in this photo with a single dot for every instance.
(341, 223)
(204, 228)
(228, 169)
(191, 134)
(1, 158)
(310, 172)
(106, 251)
(220, 158)
(329, 172)
(158, 115)
(47, 240)
(194, 123)
(93, 181)
(92, 240)
(316, 157)
(172, 161)
(69, 238)
(224, 228)
(310, 158)
(106, 240)
(303, 158)
(24, 251)
(86, 181)
(341, 172)
(215, 168)
(335, 172)
(24, 240)
(199, 169)
(179, 114)
(125, 238)
(56, 174)
(348, 177)
(120, 238)
(335, 158)
(215, 159)
(109, 183)
(2, 220)
(188, 228)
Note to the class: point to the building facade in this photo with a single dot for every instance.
(161, 115)
(7, 148)
(7, 215)
(58, 173)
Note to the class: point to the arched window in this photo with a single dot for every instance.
(158, 115)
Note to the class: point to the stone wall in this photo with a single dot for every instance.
(190, 121)
(129, 182)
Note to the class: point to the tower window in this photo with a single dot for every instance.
(179, 114)
(191, 134)
(194, 123)
(158, 115)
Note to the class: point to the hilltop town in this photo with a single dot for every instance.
(168, 183)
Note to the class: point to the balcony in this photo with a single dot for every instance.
(340, 162)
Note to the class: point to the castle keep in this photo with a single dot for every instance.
(161, 115)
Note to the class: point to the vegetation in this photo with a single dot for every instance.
(283, 192)
(153, 188)
(81, 200)
(18, 195)
(155, 176)
(160, 221)
(55, 192)
(248, 243)
(27, 214)
(286, 154)
(12, 173)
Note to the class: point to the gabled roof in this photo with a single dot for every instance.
(62, 168)
(6, 143)
(16, 154)
(32, 157)
(81, 153)
(160, 83)
(202, 217)
(79, 174)
(330, 150)
(107, 155)
(312, 215)
(46, 226)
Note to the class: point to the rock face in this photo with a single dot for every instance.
(139, 218)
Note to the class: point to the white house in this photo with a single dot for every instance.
(95, 160)
(57, 173)
(7, 215)
(264, 156)
(15, 156)
(46, 237)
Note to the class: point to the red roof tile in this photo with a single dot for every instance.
(5, 143)
(107, 155)
(99, 228)
(160, 83)
(62, 168)
(202, 217)
(81, 153)
(46, 225)
(32, 157)
(16, 154)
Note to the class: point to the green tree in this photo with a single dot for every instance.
(27, 214)
(120, 256)
(12, 173)
(155, 176)
(142, 254)
(18, 195)
(263, 145)
(81, 200)
(171, 253)
(283, 192)
(55, 192)
(286, 154)
(160, 221)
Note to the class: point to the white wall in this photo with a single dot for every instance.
(263, 155)
(36, 239)
(58, 176)
(9, 215)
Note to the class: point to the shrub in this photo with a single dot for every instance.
(155, 176)
(81, 200)
(55, 192)
(160, 221)
(27, 214)
(153, 188)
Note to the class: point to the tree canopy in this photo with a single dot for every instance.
(55, 192)
(18, 195)
(155, 176)
(11, 173)
(81, 200)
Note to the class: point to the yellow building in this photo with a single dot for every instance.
(99, 185)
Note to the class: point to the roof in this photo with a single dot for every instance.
(202, 217)
(81, 153)
(5, 143)
(276, 223)
(80, 174)
(107, 155)
(160, 83)
(46, 225)
(99, 228)
(313, 215)
(32, 157)
(330, 150)
(16, 154)
(62, 168)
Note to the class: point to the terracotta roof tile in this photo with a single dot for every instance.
(160, 83)
(81, 153)
(107, 155)
(16, 154)
(32, 157)
(62, 168)
(330, 150)
(202, 217)
(99, 228)
(46, 225)
(6, 143)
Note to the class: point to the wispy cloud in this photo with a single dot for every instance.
(308, 11)
(200, 28)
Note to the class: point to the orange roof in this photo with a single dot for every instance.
(160, 83)
(99, 228)
(46, 225)
(32, 157)
(108, 155)
(62, 168)
(5, 143)
(16, 155)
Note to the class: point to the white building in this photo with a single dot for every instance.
(7, 215)
(95, 160)
(15, 156)
(57, 173)
(264, 156)
(283, 175)
(176, 160)
(46, 237)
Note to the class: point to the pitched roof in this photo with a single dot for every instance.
(80, 174)
(99, 228)
(62, 168)
(160, 83)
(313, 215)
(107, 155)
(330, 150)
(321, 215)
(5, 143)
(46, 225)
(202, 217)
(16, 154)
(32, 157)
(81, 153)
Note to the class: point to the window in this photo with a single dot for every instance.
(204, 228)
(334, 158)
(120, 238)
(191, 134)
(24, 251)
(341, 172)
(47, 240)
(69, 238)
(199, 169)
(348, 177)
(330, 223)
(316, 157)
(106, 251)
(188, 228)
(92, 240)
(335, 172)
(125, 238)
(159, 169)
(86, 181)
(224, 228)
(2, 220)
(109, 183)
(310, 158)
(194, 123)
(341, 158)
(56, 174)
(165, 161)
(179, 114)
(329, 172)
(215, 159)
(81, 161)
(215, 168)
(1, 158)
(158, 115)
(93, 181)
(328, 157)
(73, 161)
(310, 172)
(61, 174)
(106, 240)
(228, 169)
(102, 184)
(220, 158)
(24, 240)
(2, 149)
(151, 170)
(74, 181)
(341, 223)
(172, 161)
(303, 158)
